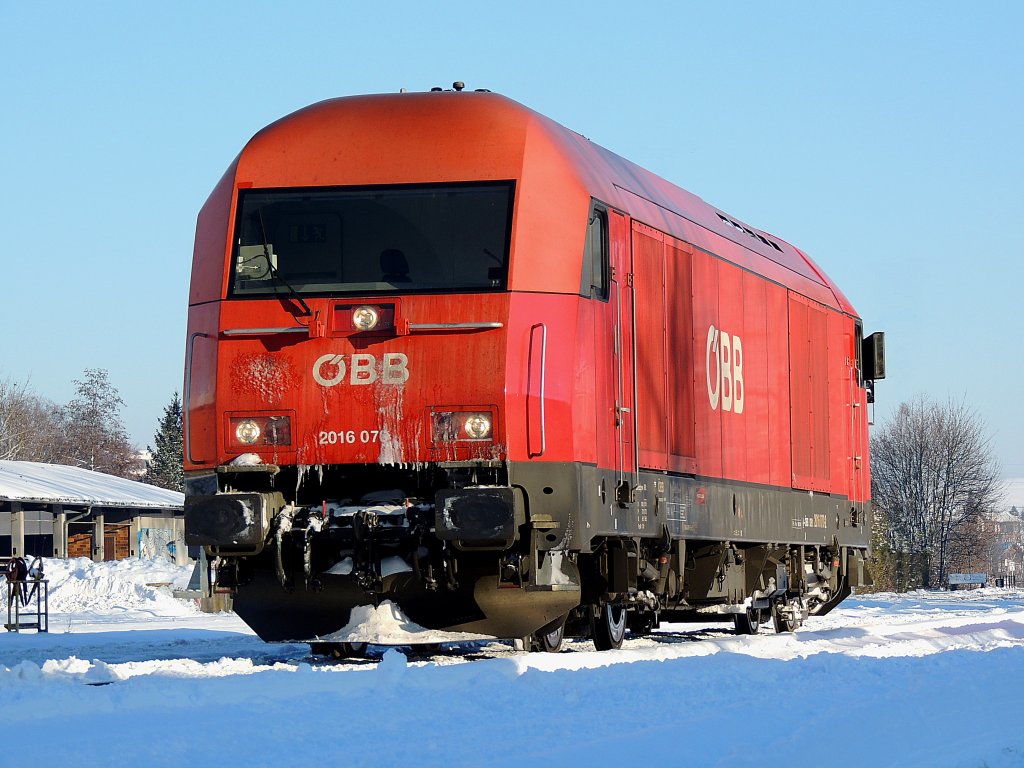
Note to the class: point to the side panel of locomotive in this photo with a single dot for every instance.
(730, 463)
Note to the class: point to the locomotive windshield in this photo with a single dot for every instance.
(409, 239)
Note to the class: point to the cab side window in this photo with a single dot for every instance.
(595, 278)
(858, 350)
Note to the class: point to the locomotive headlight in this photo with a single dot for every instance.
(477, 426)
(248, 432)
(259, 430)
(365, 318)
(462, 426)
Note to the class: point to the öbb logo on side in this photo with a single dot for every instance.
(725, 386)
(329, 370)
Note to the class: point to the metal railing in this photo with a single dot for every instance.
(20, 596)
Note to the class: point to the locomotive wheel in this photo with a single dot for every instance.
(548, 638)
(748, 622)
(609, 627)
(784, 621)
(551, 642)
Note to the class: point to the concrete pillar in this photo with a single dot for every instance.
(204, 573)
(17, 530)
(97, 537)
(133, 536)
(60, 532)
(180, 550)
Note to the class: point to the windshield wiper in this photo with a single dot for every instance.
(306, 311)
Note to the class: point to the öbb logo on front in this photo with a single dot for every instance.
(725, 386)
(330, 370)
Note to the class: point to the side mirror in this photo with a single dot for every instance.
(874, 356)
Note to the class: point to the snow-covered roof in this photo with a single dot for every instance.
(60, 484)
(1004, 516)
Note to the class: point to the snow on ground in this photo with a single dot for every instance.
(387, 624)
(128, 674)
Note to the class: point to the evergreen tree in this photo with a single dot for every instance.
(96, 435)
(165, 469)
(884, 564)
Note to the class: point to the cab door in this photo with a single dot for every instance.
(856, 400)
(623, 355)
(608, 282)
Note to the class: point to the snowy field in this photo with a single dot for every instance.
(130, 676)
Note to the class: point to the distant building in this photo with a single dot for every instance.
(1005, 531)
(52, 510)
(140, 462)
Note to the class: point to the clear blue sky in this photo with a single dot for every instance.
(884, 138)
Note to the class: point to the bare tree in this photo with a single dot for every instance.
(29, 424)
(934, 474)
(96, 436)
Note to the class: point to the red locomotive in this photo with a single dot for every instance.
(446, 353)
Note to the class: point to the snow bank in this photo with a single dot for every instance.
(79, 585)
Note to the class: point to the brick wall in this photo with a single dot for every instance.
(116, 544)
(80, 545)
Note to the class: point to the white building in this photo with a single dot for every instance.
(52, 510)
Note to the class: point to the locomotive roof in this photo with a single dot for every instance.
(483, 135)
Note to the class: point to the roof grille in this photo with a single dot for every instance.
(752, 233)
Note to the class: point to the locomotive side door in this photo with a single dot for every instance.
(623, 355)
(608, 269)
(858, 415)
